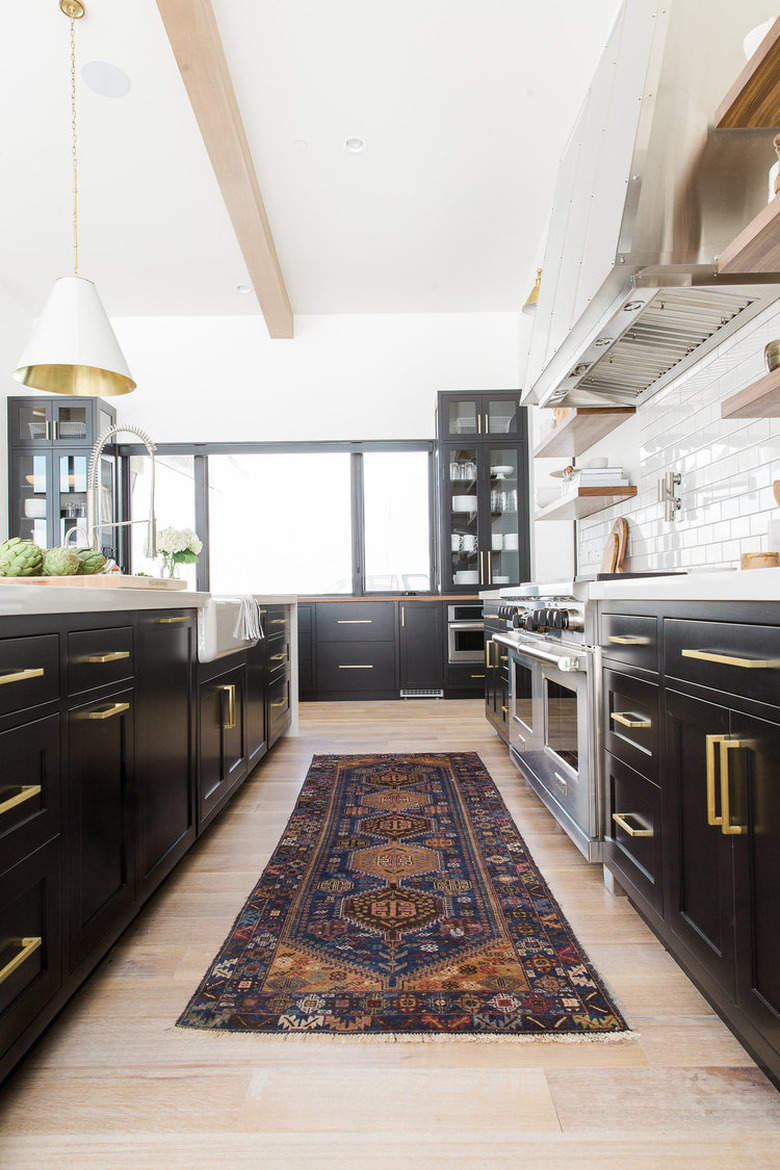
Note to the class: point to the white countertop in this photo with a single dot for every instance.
(737, 585)
(35, 599)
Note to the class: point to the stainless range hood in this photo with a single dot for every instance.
(648, 195)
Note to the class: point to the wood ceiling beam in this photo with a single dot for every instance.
(192, 30)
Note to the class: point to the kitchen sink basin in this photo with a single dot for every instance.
(222, 628)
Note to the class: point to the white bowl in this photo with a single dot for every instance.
(502, 470)
(466, 577)
(464, 503)
(35, 509)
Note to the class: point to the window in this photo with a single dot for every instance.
(397, 521)
(174, 505)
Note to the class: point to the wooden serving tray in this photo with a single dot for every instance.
(100, 581)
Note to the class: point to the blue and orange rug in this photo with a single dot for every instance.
(401, 902)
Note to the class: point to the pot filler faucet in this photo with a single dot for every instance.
(94, 524)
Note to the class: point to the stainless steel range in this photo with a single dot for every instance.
(554, 700)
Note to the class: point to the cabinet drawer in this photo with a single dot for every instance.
(30, 940)
(371, 621)
(471, 675)
(736, 658)
(631, 721)
(276, 620)
(632, 835)
(29, 672)
(278, 651)
(278, 705)
(345, 666)
(29, 787)
(630, 638)
(99, 657)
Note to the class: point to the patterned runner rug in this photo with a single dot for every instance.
(402, 903)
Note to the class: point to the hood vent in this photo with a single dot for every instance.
(662, 333)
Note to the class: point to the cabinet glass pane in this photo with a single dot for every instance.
(504, 544)
(463, 509)
(31, 423)
(397, 521)
(462, 417)
(174, 496)
(71, 423)
(500, 417)
(32, 522)
(72, 498)
(280, 523)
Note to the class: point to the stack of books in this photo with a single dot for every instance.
(597, 477)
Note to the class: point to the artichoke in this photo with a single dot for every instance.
(60, 562)
(90, 561)
(20, 558)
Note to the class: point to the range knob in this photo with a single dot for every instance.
(528, 621)
(558, 619)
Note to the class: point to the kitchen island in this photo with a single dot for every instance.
(118, 747)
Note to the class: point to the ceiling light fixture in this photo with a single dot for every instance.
(530, 305)
(74, 349)
(355, 145)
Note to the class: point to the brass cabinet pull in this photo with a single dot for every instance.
(280, 703)
(111, 656)
(712, 816)
(726, 746)
(403, 616)
(169, 621)
(482, 567)
(630, 719)
(488, 663)
(278, 658)
(477, 676)
(230, 690)
(349, 622)
(29, 947)
(731, 660)
(106, 712)
(503, 658)
(278, 622)
(366, 666)
(21, 675)
(479, 423)
(620, 819)
(26, 792)
(504, 710)
(628, 640)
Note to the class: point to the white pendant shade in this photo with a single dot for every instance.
(74, 349)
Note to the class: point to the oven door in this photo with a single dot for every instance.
(465, 641)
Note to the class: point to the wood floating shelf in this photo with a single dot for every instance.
(759, 400)
(754, 99)
(581, 430)
(757, 248)
(583, 502)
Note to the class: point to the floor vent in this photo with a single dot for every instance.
(423, 693)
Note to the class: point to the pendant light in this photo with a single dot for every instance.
(530, 305)
(73, 349)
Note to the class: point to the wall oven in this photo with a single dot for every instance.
(465, 633)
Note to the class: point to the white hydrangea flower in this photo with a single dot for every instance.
(177, 540)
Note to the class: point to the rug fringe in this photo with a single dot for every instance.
(420, 1037)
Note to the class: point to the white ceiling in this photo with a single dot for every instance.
(465, 106)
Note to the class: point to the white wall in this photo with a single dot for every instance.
(14, 330)
(345, 377)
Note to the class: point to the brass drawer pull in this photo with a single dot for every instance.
(107, 712)
(169, 621)
(21, 675)
(29, 947)
(630, 719)
(278, 622)
(278, 658)
(366, 666)
(731, 660)
(26, 792)
(230, 690)
(628, 640)
(712, 814)
(503, 658)
(354, 621)
(280, 703)
(476, 676)
(620, 819)
(726, 746)
(111, 656)
(504, 710)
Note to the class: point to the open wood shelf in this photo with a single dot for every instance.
(759, 400)
(581, 430)
(583, 502)
(757, 248)
(754, 99)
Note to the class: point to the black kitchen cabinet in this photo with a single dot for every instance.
(693, 810)
(483, 493)
(356, 650)
(496, 670)
(221, 753)
(165, 754)
(421, 645)
(278, 648)
(99, 833)
(256, 699)
(481, 415)
(49, 445)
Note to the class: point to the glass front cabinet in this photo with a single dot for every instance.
(483, 488)
(49, 445)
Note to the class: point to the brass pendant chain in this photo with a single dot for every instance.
(73, 139)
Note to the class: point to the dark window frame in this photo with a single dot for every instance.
(356, 449)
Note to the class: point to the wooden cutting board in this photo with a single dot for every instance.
(620, 530)
(776, 490)
(100, 581)
(609, 559)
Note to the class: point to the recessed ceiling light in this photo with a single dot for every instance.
(243, 288)
(355, 145)
(301, 145)
(105, 78)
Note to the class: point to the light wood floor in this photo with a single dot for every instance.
(114, 1084)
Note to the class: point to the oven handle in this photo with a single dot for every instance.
(566, 664)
